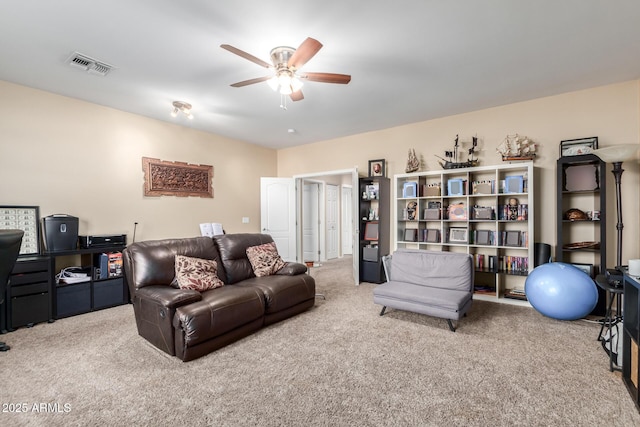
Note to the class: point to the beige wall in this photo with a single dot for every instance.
(69, 156)
(82, 159)
(611, 113)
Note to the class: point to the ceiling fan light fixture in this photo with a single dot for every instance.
(285, 62)
(181, 106)
(284, 80)
(296, 84)
(273, 83)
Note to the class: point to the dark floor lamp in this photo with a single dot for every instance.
(616, 154)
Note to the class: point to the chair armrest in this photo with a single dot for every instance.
(292, 269)
(167, 296)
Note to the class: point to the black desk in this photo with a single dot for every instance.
(613, 293)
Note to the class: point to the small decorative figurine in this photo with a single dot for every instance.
(513, 209)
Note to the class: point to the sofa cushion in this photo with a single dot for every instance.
(446, 270)
(282, 292)
(264, 259)
(396, 293)
(220, 311)
(153, 262)
(197, 273)
(233, 254)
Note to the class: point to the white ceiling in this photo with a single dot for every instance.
(410, 60)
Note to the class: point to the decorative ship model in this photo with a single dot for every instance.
(451, 161)
(413, 164)
(516, 147)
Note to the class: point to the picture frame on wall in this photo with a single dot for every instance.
(577, 147)
(377, 168)
(27, 219)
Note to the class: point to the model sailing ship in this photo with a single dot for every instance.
(451, 161)
(413, 164)
(516, 147)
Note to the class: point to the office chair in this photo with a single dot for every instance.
(10, 241)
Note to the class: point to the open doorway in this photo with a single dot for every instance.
(311, 223)
(327, 227)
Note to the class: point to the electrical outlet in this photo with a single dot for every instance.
(245, 220)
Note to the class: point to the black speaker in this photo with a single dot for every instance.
(542, 254)
(60, 232)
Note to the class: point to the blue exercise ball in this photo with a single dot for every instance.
(561, 291)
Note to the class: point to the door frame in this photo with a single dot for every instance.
(338, 217)
(320, 224)
(343, 189)
(355, 231)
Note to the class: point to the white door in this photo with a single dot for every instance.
(346, 221)
(356, 221)
(310, 221)
(332, 222)
(278, 214)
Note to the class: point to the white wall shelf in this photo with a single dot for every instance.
(486, 211)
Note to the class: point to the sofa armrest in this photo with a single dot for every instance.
(154, 307)
(292, 269)
(167, 296)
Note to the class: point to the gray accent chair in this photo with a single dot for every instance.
(434, 283)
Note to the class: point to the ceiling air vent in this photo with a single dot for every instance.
(90, 65)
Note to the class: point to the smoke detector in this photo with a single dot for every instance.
(88, 64)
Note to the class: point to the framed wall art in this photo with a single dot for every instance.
(377, 168)
(27, 219)
(162, 178)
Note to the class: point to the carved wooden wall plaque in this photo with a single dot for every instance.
(162, 178)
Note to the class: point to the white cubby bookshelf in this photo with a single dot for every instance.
(486, 211)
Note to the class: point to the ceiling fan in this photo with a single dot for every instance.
(286, 61)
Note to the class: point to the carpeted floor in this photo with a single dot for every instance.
(339, 364)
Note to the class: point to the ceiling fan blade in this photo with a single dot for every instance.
(326, 77)
(251, 81)
(305, 52)
(297, 96)
(246, 55)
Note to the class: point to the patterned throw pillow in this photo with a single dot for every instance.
(197, 274)
(264, 259)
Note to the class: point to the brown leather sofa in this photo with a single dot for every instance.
(189, 324)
